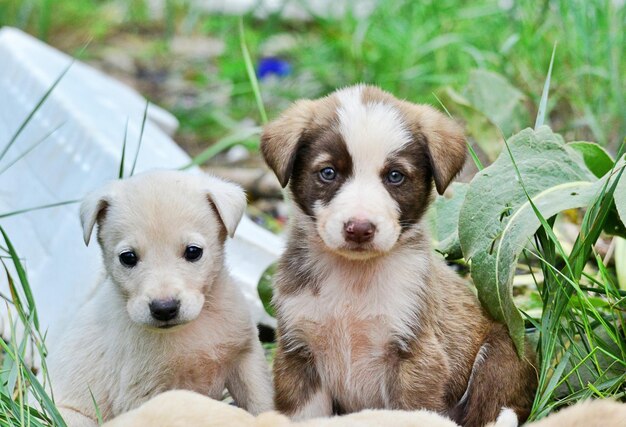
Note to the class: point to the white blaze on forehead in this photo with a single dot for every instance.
(372, 131)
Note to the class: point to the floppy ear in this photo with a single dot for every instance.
(93, 208)
(280, 138)
(229, 200)
(445, 141)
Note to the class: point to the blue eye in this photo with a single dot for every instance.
(328, 174)
(394, 177)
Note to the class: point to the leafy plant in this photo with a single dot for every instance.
(507, 211)
(497, 218)
(490, 106)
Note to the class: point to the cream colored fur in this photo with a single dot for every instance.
(113, 349)
(592, 413)
(187, 409)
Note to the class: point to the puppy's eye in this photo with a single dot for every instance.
(394, 177)
(128, 258)
(328, 174)
(193, 253)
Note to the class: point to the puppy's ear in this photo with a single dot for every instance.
(280, 138)
(229, 200)
(444, 138)
(93, 208)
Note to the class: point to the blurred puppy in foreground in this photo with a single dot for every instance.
(368, 317)
(188, 409)
(166, 315)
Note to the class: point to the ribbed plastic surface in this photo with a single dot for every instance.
(90, 111)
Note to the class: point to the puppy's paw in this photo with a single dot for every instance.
(183, 408)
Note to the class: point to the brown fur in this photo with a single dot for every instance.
(281, 137)
(445, 141)
(444, 137)
(299, 379)
(431, 361)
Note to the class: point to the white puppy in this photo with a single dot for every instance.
(166, 314)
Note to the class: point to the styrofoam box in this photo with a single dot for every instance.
(90, 111)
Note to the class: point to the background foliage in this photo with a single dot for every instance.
(486, 63)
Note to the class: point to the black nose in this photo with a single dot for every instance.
(164, 310)
(359, 231)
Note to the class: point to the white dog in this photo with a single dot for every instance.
(166, 314)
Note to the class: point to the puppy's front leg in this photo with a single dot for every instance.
(73, 418)
(249, 383)
(299, 392)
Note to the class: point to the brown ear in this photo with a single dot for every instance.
(280, 138)
(444, 138)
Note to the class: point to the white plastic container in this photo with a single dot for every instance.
(90, 111)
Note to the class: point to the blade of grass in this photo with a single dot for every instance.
(120, 175)
(543, 104)
(42, 397)
(21, 274)
(34, 110)
(620, 262)
(477, 162)
(143, 125)
(36, 208)
(221, 145)
(31, 148)
(251, 73)
(96, 407)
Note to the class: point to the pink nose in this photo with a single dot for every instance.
(359, 231)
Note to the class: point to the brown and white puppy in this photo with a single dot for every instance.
(166, 314)
(368, 316)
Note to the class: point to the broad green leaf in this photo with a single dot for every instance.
(498, 99)
(265, 289)
(491, 107)
(496, 219)
(597, 159)
(444, 219)
(478, 126)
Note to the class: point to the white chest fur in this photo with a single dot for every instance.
(141, 363)
(349, 321)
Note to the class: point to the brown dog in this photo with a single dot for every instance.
(367, 316)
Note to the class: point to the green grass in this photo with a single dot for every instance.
(581, 347)
(413, 49)
(416, 50)
(17, 382)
